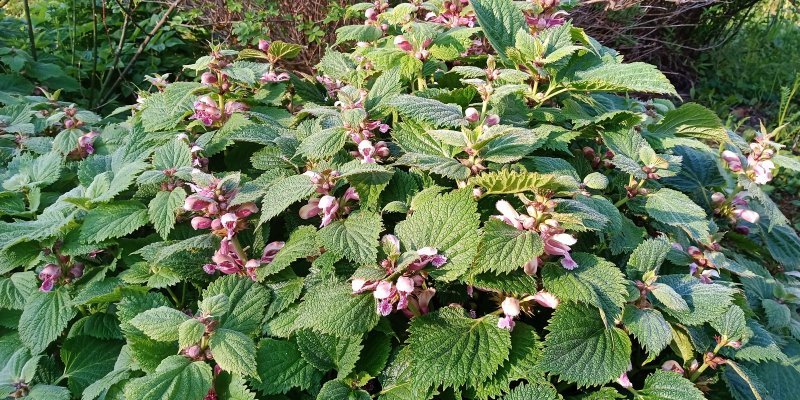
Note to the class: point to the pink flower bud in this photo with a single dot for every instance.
(506, 322)
(401, 42)
(263, 45)
(210, 268)
(624, 381)
(492, 120)
(245, 210)
(405, 284)
(472, 115)
(69, 124)
(717, 198)
(532, 266)
(270, 251)
(201, 223)
(391, 242)
(427, 251)
(511, 306)
(208, 78)
(194, 203)
(76, 271)
(310, 210)
(371, 14)
(50, 271)
(546, 299)
(748, 215)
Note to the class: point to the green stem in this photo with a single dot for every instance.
(32, 40)
(625, 199)
(705, 365)
(174, 297)
(239, 250)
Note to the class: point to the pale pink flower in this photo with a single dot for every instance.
(672, 366)
(546, 299)
(270, 251)
(49, 274)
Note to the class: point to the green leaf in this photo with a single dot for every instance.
(323, 144)
(283, 193)
(327, 352)
(445, 166)
(338, 390)
(359, 33)
(331, 308)
(383, 90)
(448, 223)
(667, 296)
(281, 367)
(113, 220)
(523, 362)
(595, 180)
(668, 385)
(535, 390)
(648, 256)
(743, 383)
(505, 249)
(175, 154)
(676, 209)
(48, 392)
(355, 237)
(301, 243)
(15, 290)
(500, 21)
(595, 282)
(449, 348)
(190, 332)
(284, 51)
(706, 301)
(649, 328)
(87, 359)
(634, 77)
(44, 318)
(162, 209)
(782, 243)
(731, 325)
(233, 351)
(164, 110)
(506, 181)
(692, 120)
(778, 315)
(176, 378)
(248, 302)
(160, 323)
(511, 143)
(580, 349)
(430, 111)
(122, 179)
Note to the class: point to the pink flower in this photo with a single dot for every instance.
(383, 290)
(206, 111)
(424, 299)
(271, 76)
(733, 160)
(263, 45)
(509, 214)
(357, 284)
(557, 243)
(762, 170)
(624, 381)
(366, 149)
(510, 306)
(234, 107)
(86, 141)
(328, 205)
(546, 299)
(506, 322)
(49, 274)
(385, 307)
(747, 215)
(532, 266)
(208, 78)
(717, 198)
(270, 251)
(229, 221)
(76, 271)
(492, 120)
(310, 210)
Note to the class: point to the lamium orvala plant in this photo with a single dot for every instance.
(466, 200)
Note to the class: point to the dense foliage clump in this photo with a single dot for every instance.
(468, 200)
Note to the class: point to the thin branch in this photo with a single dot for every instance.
(30, 28)
(143, 45)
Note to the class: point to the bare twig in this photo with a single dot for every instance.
(30, 28)
(142, 47)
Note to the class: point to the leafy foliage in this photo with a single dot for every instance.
(421, 217)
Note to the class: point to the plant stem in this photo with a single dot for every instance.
(32, 40)
(705, 365)
(174, 297)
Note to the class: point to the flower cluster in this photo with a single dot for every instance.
(408, 293)
(736, 209)
(454, 13)
(701, 267)
(208, 112)
(53, 272)
(549, 17)
(328, 205)
(758, 166)
(556, 241)
(512, 307)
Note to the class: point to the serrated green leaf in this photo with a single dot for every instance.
(44, 318)
(190, 332)
(692, 120)
(248, 301)
(338, 390)
(668, 385)
(535, 390)
(505, 249)
(331, 308)
(327, 352)
(676, 209)
(281, 367)
(87, 359)
(113, 220)
(634, 77)
(448, 223)
(507, 181)
(283, 193)
(160, 323)
(580, 349)
(162, 209)
(164, 110)
(730, 325)
(500, 20)
(175, 154)
(323, 144)
(429, 111)
(355, 237)
(15, 290)
(233, 351)
(449, 348)
(176, 378)
(649, 328)
(778, 315)
(648, 256)
(445, 166)
(359, 33)
(595, 282)
(667, 296)
(706, 301)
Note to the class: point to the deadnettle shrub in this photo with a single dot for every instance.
(467, 200)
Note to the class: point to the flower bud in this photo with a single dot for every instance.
(371, 14)
(201, 223)
(357, 284)
(717, 198)
(76, 271)
(208, 78)
(401, 42)
(492, 120)
(546, 299)
(472, 114)
(263, 45)
(673, 366)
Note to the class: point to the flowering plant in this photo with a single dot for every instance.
(468, 200)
